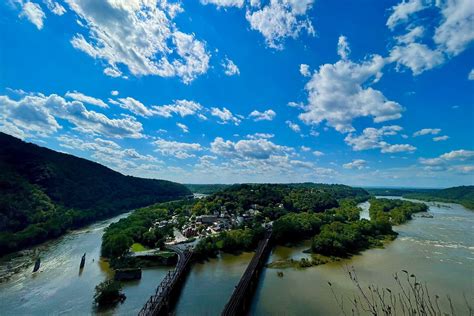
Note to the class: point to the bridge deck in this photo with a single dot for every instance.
(240, 300)
(159, 303)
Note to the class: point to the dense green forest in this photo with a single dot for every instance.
(43, 193)
(272, 201)
(206, 188)
(463, 195)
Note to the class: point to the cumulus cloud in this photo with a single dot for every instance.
(109, 152)
(427, 131)
(78, 96)
(230, 69)
(180, 107)
(114, 93)
(358, 164)
(225, 116)
(225, 3)
(440, 138)
(33, 12)
(281, 19)
(343, 49)
(247, 148)
(54, 7)
(140, 35)
(452, 35)
(402, 11)
(267, 115)
(338, 93)
(304, 70)
(134, 106)
(449, 161)
(183, 127)
(293, 126)
(39, 113)
(318, 153)
(176, 149)
(372, 138)
(471, 75)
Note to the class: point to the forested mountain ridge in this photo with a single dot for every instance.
(44, 192)
(463, 195)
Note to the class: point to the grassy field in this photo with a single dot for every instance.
(137, 247)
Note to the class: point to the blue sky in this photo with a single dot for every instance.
(373, 93)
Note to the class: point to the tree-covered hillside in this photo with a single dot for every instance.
(463, 195)
(43, 193)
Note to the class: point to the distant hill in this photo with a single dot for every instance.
(207, 188)
(43, 193)
(463, 195)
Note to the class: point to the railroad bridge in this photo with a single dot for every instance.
(241, 299)
(167, 292)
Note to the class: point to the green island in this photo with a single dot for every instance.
(235, 218)
(44, 193)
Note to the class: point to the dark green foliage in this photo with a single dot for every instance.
(344, 239)
(394, 211)
(296, 226)
(108, 293)
(229, 241)
(137, 227)
(206, 188)
(463, 195)
(43, 193)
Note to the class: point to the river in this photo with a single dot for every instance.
(59, 289)
(439, 250)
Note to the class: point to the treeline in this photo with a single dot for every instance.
(463, 195)
(393, 211)
(275, 200)
(44, 193)
(206, 188)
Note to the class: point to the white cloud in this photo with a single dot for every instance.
(181, 107)
(403, 10)
(456, 31)
(338, 93)
(304, 70)
(318, 153)
(225, 116)
(417, 57)
(281, 19)
(230, 69)
(343, 49)
(78, 96)
(372, 138)
(114, 93)
(36, 111)
(54, 7)
(248, 148)
(33, 12)
(427, 131)
(140, 35)
(358, 164)
(267, 115)
(109, 152)
(260, 135)
(449, 161)
(176, 149)
(225, 3)
(471, 75)
(183, 127)
(441, 138)
(452, 35)
(135, 106)
(293, 126)
(305, 149)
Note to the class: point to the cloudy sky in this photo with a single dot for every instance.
(221, 91)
